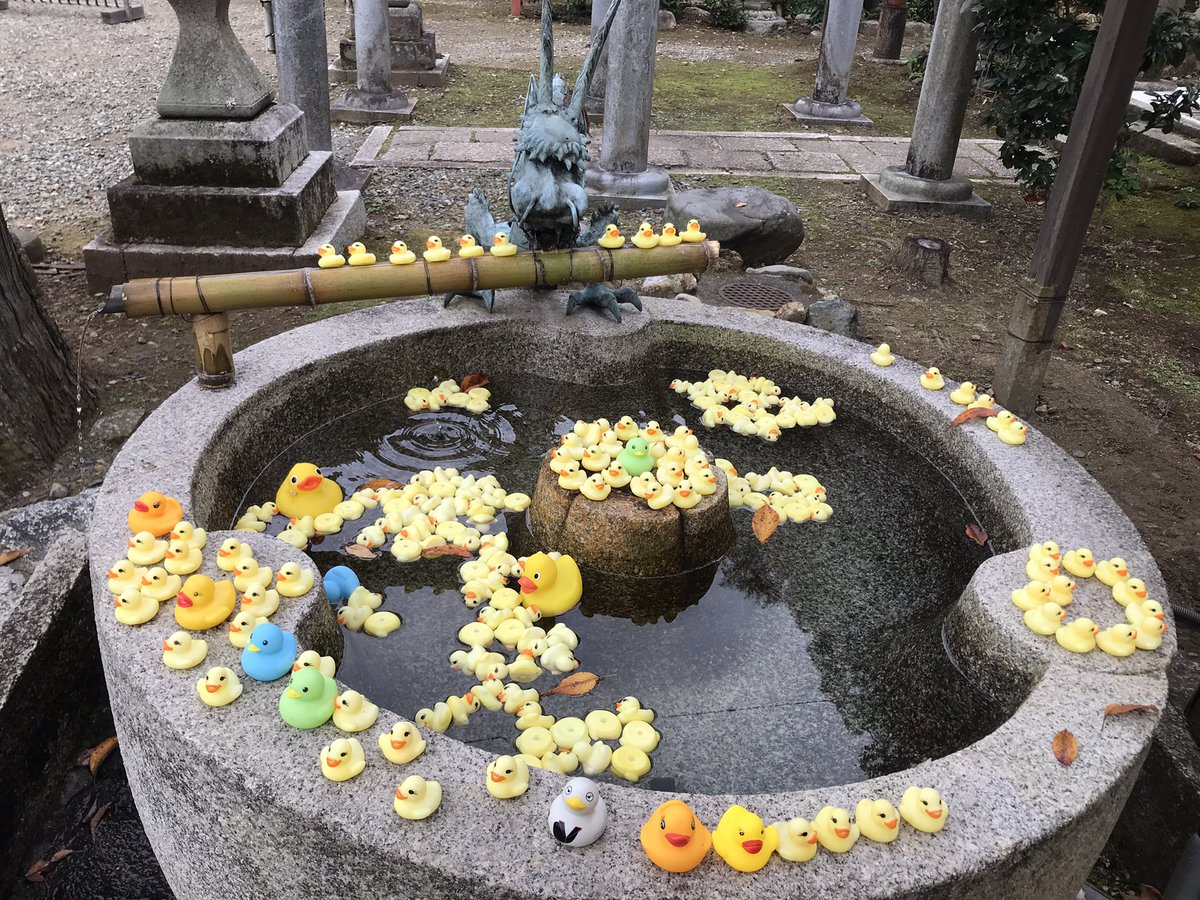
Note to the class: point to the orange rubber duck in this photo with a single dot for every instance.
(155, 513)
(674, 838)
(204, 603)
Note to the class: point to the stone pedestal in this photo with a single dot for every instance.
(373, 100)
(830, 103)
(762, 17)
(415, 60)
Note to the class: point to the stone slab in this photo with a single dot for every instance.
(859, 121)
(418, 54)
(204, 216)
(366, 108)
(131, 13)
(1171, 148)
(435, 77)
(475, 151)
(807, 161)
(258, 152)
(974, 207)
(651, 189)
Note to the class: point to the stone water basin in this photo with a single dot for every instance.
(925, 658)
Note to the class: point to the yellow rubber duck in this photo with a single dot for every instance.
(524, 668)
(357, 255)
(190, 535)
(594, 459)
(924, 809)
(230, 552)
(797, 840)
(437, 719)
(241, 625)
(594, 759)
(328, 523)
(1081, 563)
(402, 743)
(160, 584)
(434, 251)
(1131, 590)
(203, 603)
(1044, 569)
(248, 573)
(693, 235)
(552, 586)
(877, 820)
(306, 492)
(1110, 571)
(311, 659)
(611, 239)
(571, 478)
(502, 246)
(563, 762)
(1014, 434)
(1000, 421)
(669, 237)
(1119, 640)
(124, 576)
(353, 712)
(836, 831)
(329, 258)
(401, 256)
(135, 608)
(602, 725)
(182, 651)
(629, 763)
(144, 550)
(641, 735)
(342, 759)
(685, 496)
(626, 429)
(1078, 635)
(559, 659)
(381, 624)
(742, 840)
(983, 401)
(569, 731)
(1046, 549)
(1045, 619)
(462, 708)
(1136, 613)
(507, 777)
(615, 476)
(154, 512)
(219, 687)
(1062, 590)
(259, 601)
(596, 488)
(535, 741)
(468, 247)
(1150, 633)
(645, 239)
(964, 394)
(293, 580)
(1032, 596)
(932, 380)
(630, 709)
(881, 357)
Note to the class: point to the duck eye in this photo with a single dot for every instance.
(923, 803)
(222, 678)
(343, 753)
(295, 479)
(305, 690)
(741, 834)
(883, 815)
(156, 505)
(833, 819)
(693, 824)
(663, 825)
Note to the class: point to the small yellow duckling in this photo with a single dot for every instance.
(603, 725)
(983, 401)
(611, 239)
(924, 809)
(1131, 590)
(329, 258)
(1119, 640)
(293, 580)
(343, 759)
(160, 584)
(931, 379)
(357, 255)
(1110, 571)
(670, 474)
(328, 523)
(1150, 633)
(248, 573)
(230, 552)
(1000, 421)
(535, 741)
(437, 719)
(1137, 613)
(685, 496)
(570, 478)
(468, 248)
(1081, 563)
(402, 743)
(381, 624)
(644, 482)
(242, 625)
(797, 840)
(124, 576)
(417, 798)
(1014, 435)
(353, 712)
(564, 762)
(670, 237)
(596, 488)
(135, 608)
(877, 820)
(190, 535)
(630, 709)
(1045, 619)
(401, 255)
(641, 735)
(1078, 635)
(1046, 549)
(434, 251)
(615, 476)
(836, 831)
(182, 651)
(219, 687)
(629, 763)
(144, 550)
(1043, 569)
(311, 659)
(462, 708)
(1062, 590)
(645, 238)
(569, 731)
(626, 429)
(502, 246)
(881, 357)
(1032, 596)
(507, 777)
(659, 496)
(260, 601)
(559, 659)
(306, 525)
(594, 459)
(964, 394)
(693, 235)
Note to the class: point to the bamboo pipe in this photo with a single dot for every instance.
(314, 287)
(214, 351)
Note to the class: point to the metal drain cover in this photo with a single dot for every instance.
(753, 295)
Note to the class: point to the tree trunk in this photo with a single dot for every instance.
(37, 370)
(892, 19)
(924, 259)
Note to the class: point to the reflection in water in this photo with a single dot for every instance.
(815, 659)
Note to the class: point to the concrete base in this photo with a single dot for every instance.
(640, 190)
(115, 16)
(366, 108)
(340, 73)
(109, 262)
(896, 190)
(815, 112)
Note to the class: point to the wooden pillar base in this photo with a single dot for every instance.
(214, 351)
(1027, 347)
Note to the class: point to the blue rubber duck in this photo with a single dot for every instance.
(270, 653)
(340, 583)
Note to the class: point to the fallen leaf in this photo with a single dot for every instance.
(362, 551)
(740, 205)
(977, 534)
(979, 412)
(445, 550)
(100, 813)
(94, 757)
(1066, 748)
(981, 242)
(1119, 709)
(575, 685)
(9, 555)
(39, 870)
(376, 484)
(764, 523)
(474, 380)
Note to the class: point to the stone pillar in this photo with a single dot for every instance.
(224, 179)
(830, 97)
(373, 100)
(595, 98)
(623, 175)
(301, 52)
(927, 180)
(415, 60)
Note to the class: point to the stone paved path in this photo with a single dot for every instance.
(789, 154)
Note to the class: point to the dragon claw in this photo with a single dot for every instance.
(603, 297)
(488, 298)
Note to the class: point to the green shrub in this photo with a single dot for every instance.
(727, 14)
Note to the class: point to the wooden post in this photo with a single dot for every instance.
(1116, 59)
(893, 16)
(214, 352)
(924, 259)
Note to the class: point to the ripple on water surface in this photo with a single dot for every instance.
(816, 659)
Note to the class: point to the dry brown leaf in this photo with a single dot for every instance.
(362, 551)
(474, 380)
(39, 870)
(9, 555)
(100, 813)
(376, 484)
(445, 550)
(94, 757)
(977, 534)
(575, 685)
(740, 205)
(764, 523)
(1119, 709)
(1065, 345)
(979, 412)
(1065, 747)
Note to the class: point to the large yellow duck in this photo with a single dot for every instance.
(156, 513)
(357, 255)
(552, 586)
(743, 841)
(204, 603)
(693, 235)
(670, 236)
(611, 239)
(306, 492)
(401, 255)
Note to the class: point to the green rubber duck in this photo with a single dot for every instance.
(636, 457)
(308, 700)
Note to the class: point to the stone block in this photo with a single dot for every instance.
(419, 53)
(206, 216)
(969, 205)
(650, 189)
(30, 242)
(405, 23)
(475, 152)
(834, 315)
(1171, 148)
(369, 108)
(343, 72)
(131, 13)
(763, 227)
(805, 161)
(259, 152)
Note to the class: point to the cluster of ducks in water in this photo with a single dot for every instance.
(752, 405)
(1050, 590)
(448, 393)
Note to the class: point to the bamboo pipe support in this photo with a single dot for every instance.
(214, 351)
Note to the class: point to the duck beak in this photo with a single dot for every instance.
(212, 688)
(140, 506)
(311, 483)
(183, 600)
(254, 648)
(576, 804)
(295, 695)
(528, 586)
